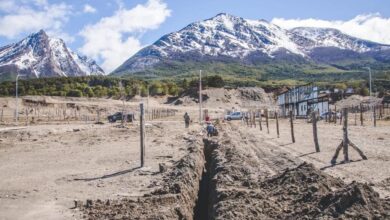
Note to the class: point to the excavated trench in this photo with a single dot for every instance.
(204, 205)
(217, 181)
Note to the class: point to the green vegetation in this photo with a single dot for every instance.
(174, 78)
(99, 86)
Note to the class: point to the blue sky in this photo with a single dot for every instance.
(111, 31)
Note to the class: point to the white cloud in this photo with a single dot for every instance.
(89, 9)
(26, 16)
(113, 39)
(372, 27)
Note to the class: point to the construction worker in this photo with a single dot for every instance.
(187, 120)
(211, 130)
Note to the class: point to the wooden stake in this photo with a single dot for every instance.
(374, 115)
(333, 161)
(266, 120)
(142, 134)
(314, 122)
(254, 119)
(261, 127)
(361, 114)
(345, 135)
(277, 124)
(358, 150)
(292, 127)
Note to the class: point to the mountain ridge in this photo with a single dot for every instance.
(248, 41)
(38, 55)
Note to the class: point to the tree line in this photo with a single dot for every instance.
(104, 86)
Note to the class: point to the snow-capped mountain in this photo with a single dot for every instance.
(229, 37)
(41, 56)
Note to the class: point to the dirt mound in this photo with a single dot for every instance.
(175, 199)
(246, 97)
(252, 96)
(356, 100)
(303, 193)
(355, 201)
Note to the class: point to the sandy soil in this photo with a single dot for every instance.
(43, 169)
(373, 141)
(46, 166)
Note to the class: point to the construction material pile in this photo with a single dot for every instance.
(303, 193)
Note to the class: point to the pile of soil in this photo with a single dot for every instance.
(356, 100)
(246, 97)
(303, 193)
(175, 199)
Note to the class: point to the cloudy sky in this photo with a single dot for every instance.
(111, 31)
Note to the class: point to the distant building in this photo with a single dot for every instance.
(302, 100)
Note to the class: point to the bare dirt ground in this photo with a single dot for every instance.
(373, 141)
(46, 166)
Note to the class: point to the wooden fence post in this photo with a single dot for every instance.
(26, 116)
(266, 120)
(335, 114)
(2, 115)
(261, 127)
(292, 127)
(374, 115)
(344, 144)
(361, 114)
(250, 118)
(314, 122)
(254, 119)
(142, 134)
(277, 123)
(345, 135)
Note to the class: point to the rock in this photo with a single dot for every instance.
(162, 167)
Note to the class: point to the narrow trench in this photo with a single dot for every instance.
(204, 205)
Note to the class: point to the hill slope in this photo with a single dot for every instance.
(235, 46)
(41, 56)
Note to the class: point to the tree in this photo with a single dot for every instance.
(74, 93)
(215, 81)
(88, 92)
(364, 91)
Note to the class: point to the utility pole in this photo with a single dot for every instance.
(200, 96)
(16, 95)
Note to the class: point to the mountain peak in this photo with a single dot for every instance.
(38, 55)
(228, 37)
(224, 14)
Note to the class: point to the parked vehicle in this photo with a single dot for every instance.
(118, 117)
(234, 116)
(331, 114)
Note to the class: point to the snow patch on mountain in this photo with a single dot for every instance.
(229, 36)
(38, 55)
